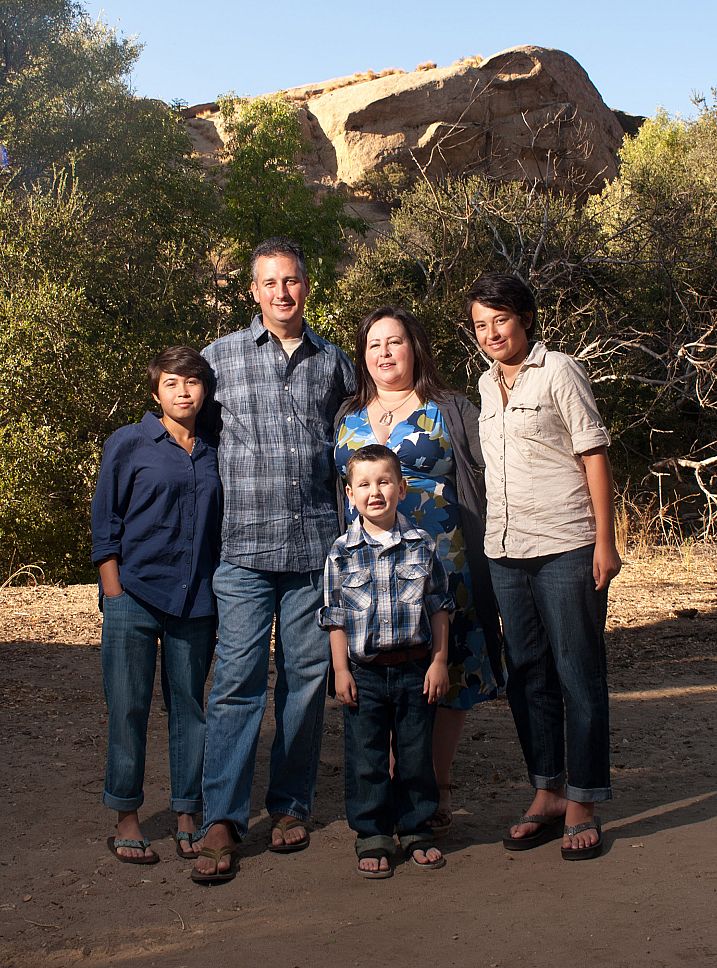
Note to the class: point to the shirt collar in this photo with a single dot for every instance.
(403, 530)
(536, 357)
(155, 429)
(260, 333)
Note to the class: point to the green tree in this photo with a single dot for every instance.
(266, 193)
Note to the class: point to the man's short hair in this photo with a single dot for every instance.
(374, 453)
(182, 360)
(278, 245)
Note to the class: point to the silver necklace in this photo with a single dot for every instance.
(502, 380)
(386, 417)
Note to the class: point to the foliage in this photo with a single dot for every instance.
(266, 194)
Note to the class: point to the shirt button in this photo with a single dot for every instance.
(385, 621)
(286, 387)
(184, 586)
(293, 450)
(294, 483)
(288, 419)
(296, 517)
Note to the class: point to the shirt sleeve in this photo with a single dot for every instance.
(437, 597)
(332, 612)
(575, 404)
(111, 498)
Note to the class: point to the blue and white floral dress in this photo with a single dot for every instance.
(423, 447)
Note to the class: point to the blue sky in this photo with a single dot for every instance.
(640, 54)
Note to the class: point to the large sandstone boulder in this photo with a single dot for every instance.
(524, 113)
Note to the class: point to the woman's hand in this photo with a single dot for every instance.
(606, 564)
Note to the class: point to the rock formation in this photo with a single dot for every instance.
(524, 113)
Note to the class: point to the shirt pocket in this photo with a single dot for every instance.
(487, 423)
(526, 419)
(356, 589)
(411, 582)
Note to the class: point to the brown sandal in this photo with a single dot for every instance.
(283, 824)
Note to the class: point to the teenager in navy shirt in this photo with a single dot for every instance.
(156, 518)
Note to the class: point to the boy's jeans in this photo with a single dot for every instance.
(130, 632)
(248, 599)
(553, 620)
(390, 701)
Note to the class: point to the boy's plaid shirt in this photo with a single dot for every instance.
(383, 595)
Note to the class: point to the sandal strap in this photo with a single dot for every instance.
(374, 853)
(142, 844)
(216, 853)
(184, 835)
(543, 818)
(578, 828)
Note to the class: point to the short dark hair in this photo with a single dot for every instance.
(374, 453)
(182, 360)
(278, 245)
(427, 381)
(501, 290)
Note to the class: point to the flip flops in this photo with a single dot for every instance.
(425, 846)
(218, 877)
(183, 836)
(549, 828)
(583, 853)
(377, 854)
(114, 842)
(283, 824)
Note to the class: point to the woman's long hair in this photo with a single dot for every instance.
(427, 381)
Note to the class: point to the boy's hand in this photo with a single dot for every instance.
(345, 684)
(435, 685)
(606, 564)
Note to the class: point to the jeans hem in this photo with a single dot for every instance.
(405, 840)
(281, 812)
(376, 842)
(556, 782)
(123, 804)
(204, 829)
(596, 795)
(185, 806)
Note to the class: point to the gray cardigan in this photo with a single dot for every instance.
(461, 417)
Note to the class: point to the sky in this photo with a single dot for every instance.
(640, 54)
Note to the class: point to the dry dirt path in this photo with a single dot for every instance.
(651, 900)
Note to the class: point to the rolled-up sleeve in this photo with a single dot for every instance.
(437, 597)
(332, 613)
(111, 498)
(575, 403)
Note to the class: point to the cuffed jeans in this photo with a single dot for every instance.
(390, 702)
(248, 599)
(130, 633)
(553, 621)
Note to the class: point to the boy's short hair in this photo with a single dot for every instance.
(278, 245)
(374, 453)
(501, 290)
(182, 360)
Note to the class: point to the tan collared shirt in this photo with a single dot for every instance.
(538, 498)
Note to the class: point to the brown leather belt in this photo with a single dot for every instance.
(395, 657)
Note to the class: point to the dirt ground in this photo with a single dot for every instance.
(651, 900)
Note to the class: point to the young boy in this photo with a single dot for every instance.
(156, 518)
(387, 608)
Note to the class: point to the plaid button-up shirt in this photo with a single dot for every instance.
(276, 446)
(383, 595)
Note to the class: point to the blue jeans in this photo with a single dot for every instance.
(248, 600)
(553, 621)
(130, 633)
(390, 702)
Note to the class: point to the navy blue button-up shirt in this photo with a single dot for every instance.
(276, 446)
(158, 509)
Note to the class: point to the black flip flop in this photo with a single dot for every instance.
(114, 842)
(550, 828)
(425, 846)
(377, 854)
(583, 853)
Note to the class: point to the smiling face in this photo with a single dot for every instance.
(180, 397)
(281, 289)
(500, 333)
(375, 490)
(389, 355)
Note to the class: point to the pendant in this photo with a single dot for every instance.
(386, 418)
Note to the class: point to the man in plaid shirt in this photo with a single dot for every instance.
(278, 388)
(386, 604)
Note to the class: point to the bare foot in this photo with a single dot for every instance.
(578, 813)
(286, 837)
(186, 824)
(128, 829)
(549, 803)
(430, 856)
(219, 835)
(373, 864)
